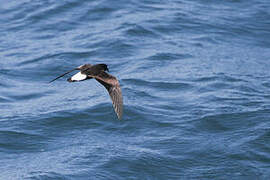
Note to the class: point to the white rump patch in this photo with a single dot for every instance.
(78, 77)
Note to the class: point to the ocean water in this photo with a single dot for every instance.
(195, 78)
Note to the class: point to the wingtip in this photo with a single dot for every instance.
(119, 115)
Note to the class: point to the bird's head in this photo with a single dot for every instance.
(104, 67)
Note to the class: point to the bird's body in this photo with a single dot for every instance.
(98, 71)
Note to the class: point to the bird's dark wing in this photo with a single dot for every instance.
(113, 87)
(63, 74)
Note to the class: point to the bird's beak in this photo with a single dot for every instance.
(78, 68)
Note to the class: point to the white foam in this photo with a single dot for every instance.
(78, 77)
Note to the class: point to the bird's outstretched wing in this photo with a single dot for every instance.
(63, 74)
(113, 87)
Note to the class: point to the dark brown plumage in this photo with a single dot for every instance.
(110, 82)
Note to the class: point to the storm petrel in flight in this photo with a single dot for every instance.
(98, 71)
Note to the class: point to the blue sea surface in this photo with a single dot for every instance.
(195, 78)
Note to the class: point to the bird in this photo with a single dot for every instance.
(98, 72)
